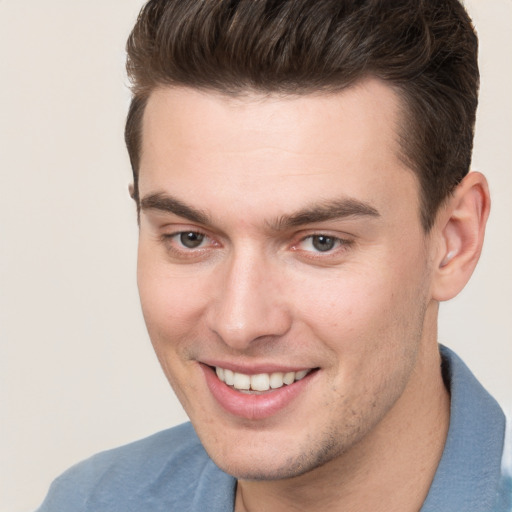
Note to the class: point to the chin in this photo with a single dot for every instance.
(276, 461)
(248, 470)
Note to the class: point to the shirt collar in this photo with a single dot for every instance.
(469, 474)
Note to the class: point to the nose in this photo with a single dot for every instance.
(249, 303)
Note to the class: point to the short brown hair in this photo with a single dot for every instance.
(425, 49)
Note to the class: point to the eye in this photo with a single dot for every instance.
(188, 245)
(190, 239)
(185, 241)
(321, 243)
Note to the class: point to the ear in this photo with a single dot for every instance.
(460, 228)
(131, 190)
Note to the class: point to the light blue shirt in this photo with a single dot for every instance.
(171, 472)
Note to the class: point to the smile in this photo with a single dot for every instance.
(259, 382)
(257, 395)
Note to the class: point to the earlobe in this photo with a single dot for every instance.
(460, 227)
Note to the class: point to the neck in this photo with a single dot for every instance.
(391, 469)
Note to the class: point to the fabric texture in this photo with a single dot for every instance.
(170, 471)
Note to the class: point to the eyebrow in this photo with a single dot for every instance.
(166, 203)
(328, 210)
(325, 211)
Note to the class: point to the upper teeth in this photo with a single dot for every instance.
(260, 381)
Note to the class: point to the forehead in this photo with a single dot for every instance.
(274, 146)
(367, 110)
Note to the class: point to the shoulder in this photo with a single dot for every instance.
(154, 474)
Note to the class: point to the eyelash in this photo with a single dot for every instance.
(337, 243)
(340, 244)
(170, 240)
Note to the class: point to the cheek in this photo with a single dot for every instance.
(372, 326)
(171, 309)
(172, 302)
(346, 302)
(365, 312)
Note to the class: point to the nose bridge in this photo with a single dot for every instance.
(248, 304)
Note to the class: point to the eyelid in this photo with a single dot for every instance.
(336, 239)
(342, 244)
(177, 232)
(202, 239)
(169, 239)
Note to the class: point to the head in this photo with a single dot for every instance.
(292, 165)
(426, 51)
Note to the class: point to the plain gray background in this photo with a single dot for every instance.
(77, 373)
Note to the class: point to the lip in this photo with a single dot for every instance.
(253, 406)
(253, 369)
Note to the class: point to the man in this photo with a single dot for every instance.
(301, 178)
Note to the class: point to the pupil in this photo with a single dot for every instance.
(191, 240)
(323, 243)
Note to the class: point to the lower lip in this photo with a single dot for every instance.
(249, 406)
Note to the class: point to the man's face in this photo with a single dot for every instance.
(282, 235)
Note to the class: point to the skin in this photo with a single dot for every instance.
(257, 291)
